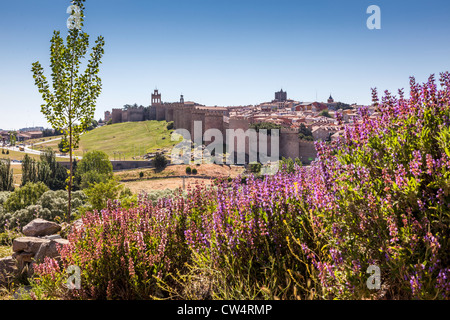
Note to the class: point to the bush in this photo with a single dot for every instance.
(389, 176)
(100, 193)
(25, 196)
(95, 161)
(194, 171)
(170, 126)
(160, 195)
(255, 167)
(141, 174)
(160, 161)
(289, 165)
(4, 195)
(188, 170)
(90, 178)
(51, 206)
(122, 254)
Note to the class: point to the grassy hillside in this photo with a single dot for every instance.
(133, 139)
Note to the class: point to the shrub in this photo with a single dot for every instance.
(141, 174)
(95, 161)
(170, 125)
(99, 194)
(255, 167)
(122, 254)
(51, 206)
(188, 170)
(289, 165)
(194, 171)
(4, 195)
(160, 195)
(90, 178)
(385, 198)
(25, 196)
(160, 161)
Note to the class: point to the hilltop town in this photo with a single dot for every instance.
(301, 123)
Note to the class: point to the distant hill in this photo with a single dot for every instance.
(131, 139)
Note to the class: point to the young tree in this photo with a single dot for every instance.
(12, 138)
(71, 105)
(6, 176)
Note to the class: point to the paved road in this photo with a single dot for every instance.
(28, 150)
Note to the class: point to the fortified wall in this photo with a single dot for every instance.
(184, 116)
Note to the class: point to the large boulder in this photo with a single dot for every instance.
(40, 228)
(50, 249)
(28, 244)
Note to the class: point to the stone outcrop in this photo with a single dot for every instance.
(40, 228)
(41, 240)
(50, 249)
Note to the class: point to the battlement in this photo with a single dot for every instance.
(289, 130)
(306, 142)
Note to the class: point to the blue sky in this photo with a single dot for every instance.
(233, 52)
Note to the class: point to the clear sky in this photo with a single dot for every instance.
(233, 52)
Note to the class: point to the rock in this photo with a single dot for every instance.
(28, 244)
(40, 228)
(76, 225)
(8, 270)
(52, 237)
(49, 249)
(23, 259)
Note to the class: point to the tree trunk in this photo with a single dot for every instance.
(70, 176)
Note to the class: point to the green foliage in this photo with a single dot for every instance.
(51, 206)
(71, 105)
(188, 170)
(95, 161)
(100, 193)
(4, 195)
(269, 126)
(255, 167)
(95, 167)
(47, 170)
(160, 161)
(156, 195)
(305, 133)
(6, 176)
(170, 126)
(289, 165)
(141, 174)
(343, 106)
(194, 171)
(25, 196)
(325, 113)
(63, 145)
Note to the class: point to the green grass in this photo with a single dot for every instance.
(17, 155)
(5, 251)
(130, 138)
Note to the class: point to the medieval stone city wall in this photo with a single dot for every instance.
(184, 117)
